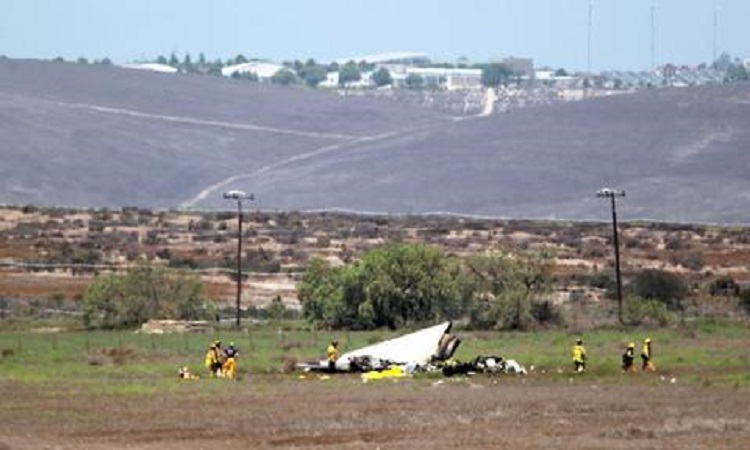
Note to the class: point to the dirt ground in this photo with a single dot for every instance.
(342, 412)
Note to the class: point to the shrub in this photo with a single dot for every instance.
(724, 285)
(664, 287)
(745, 300)
(639, 311)
(144, 292)
(546, 313)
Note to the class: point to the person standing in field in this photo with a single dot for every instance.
(214, 359)
(579, 356)
(333, 355)
(628, 357)
(647, 356)
(210, 359)
(229, 368)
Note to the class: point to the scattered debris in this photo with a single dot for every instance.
(185, 374)
(483, 364)
(412, 351)
(426, 350)
(389, 373)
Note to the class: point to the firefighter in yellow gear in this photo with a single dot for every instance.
(229, 368)
(209, 359)
(214, 359)
(647, 356)
(628, 357)
(579, 356)
(333, 355)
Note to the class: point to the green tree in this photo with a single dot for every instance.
(496, 74)
(365, 66)
(736, 72)
(349, 72)
(173, 61)
(724, 286)
(391, 286)
(313, 75)
(215, 67)
(276, 310)
(638, 311)
(382, 77)
(659, 285)
(142, 293)
(723, 62)
(284, 77)
(414, 81)
(319, 291)
(505, 286)
(745, 300)
(187, 65)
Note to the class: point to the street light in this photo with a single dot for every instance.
(239, 196)
(611, 194)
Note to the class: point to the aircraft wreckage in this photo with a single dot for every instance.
(429, 349)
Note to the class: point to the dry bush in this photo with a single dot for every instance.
(96, 360)
(288, 364)
(116, 355)
(290, 345)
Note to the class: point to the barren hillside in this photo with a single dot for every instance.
(95, 136)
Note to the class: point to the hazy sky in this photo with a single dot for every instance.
(553, 32)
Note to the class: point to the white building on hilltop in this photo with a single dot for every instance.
(264, 70)
(153, 67)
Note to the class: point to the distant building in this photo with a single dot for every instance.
(550, 78)
(450, 78)
(520, 66)
(331, 81)
(404, 58)
(152, 67)
(264, 70)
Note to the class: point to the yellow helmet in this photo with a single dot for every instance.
(648, 340)
(631, 345)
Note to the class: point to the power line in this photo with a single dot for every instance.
(590, 31)
(716, 34)
(653, 36)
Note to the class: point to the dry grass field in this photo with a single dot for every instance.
(274, 412)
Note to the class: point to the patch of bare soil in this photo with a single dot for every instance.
(285, 412)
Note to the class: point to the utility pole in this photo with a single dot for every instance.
(239, 196)
(612, 194)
